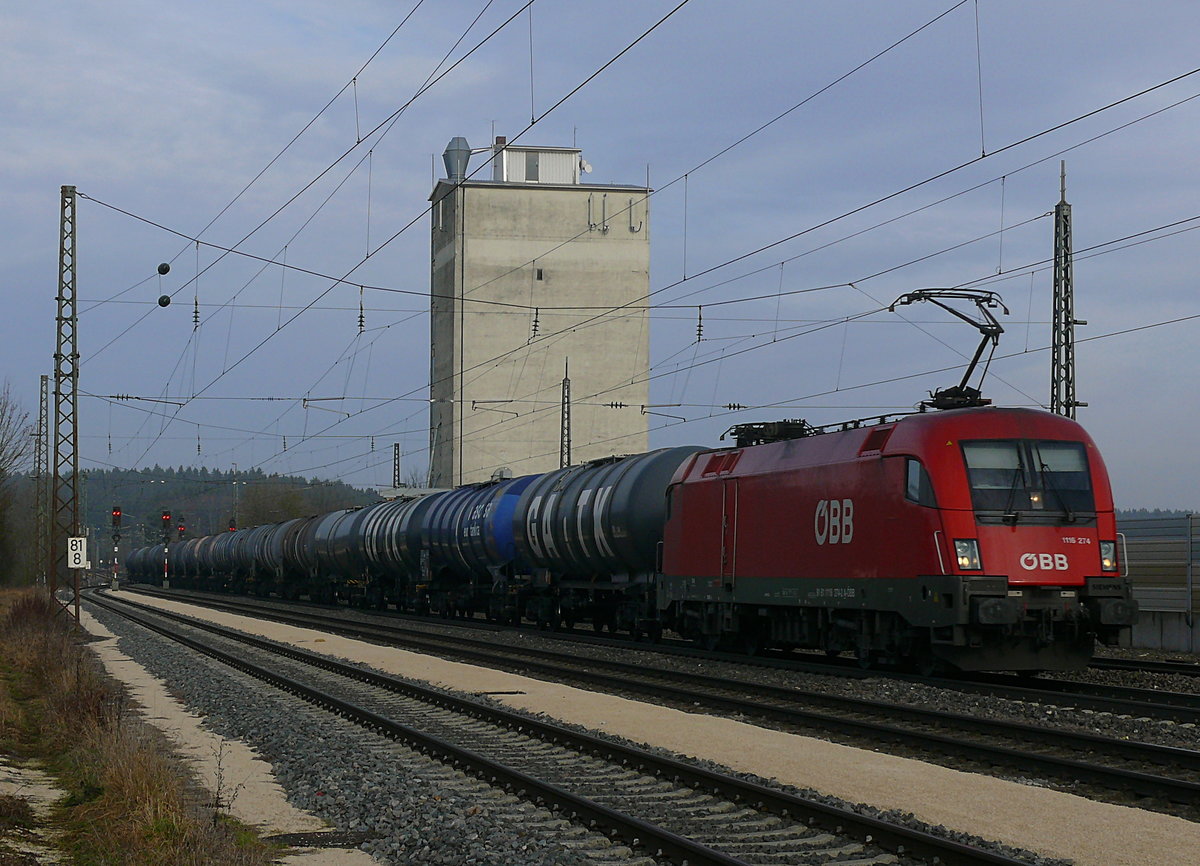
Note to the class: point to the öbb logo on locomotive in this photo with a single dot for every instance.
(834, 521)
(1044, 562)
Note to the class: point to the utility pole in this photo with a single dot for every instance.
(237, 500)
(1062, 341)
(395, 464)
(564, 436)
(42, 482)
(65, 484)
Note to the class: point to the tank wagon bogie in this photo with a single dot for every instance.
(977, 538)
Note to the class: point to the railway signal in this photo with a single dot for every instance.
(116, 538)
(181, 528)
(166, 526)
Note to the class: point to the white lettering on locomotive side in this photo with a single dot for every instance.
(833, 521)
(1044, 561)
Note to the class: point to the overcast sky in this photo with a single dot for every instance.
(935, 164)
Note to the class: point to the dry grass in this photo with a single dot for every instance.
(126, 801)
(15, 812)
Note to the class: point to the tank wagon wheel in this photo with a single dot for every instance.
(752, 644)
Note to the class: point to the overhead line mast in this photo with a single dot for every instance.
(65, 491)
(1062, 341)
(42, 482)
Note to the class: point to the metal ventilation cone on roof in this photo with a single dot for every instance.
(456, 157)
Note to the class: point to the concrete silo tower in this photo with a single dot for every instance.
(532, 269)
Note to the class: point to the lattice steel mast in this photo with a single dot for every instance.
(1062, 341)
(42, 482)
(65, 484)
(564, 435)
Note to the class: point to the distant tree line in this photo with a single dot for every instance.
(1149, 513)
(205, 501)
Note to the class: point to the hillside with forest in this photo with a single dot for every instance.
(204, 501)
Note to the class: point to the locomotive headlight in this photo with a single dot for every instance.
(967, 551)
(1108, 555)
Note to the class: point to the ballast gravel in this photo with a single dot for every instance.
(404, 808)
(1040, 712)
(398, 806)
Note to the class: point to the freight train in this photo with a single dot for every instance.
(978, 538)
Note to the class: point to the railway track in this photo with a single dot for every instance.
(1169, 776)
(1189, 669)
(1179, 707)
(668, 808)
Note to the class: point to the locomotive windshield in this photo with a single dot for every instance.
(1018, 479)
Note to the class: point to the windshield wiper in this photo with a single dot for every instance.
(1052, 487)
(1010, 515)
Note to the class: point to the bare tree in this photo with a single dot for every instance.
(16, 445)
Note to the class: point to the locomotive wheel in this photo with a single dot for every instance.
(928, 665)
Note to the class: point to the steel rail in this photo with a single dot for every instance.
(795, 707)
(903, 840)
(1154, 666)
(1182, 707)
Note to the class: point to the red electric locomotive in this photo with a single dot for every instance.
(978, 538)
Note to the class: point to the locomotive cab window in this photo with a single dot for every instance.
(1020, 479)
(918, 486)
(1063, 468)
